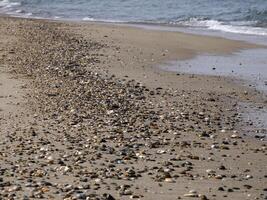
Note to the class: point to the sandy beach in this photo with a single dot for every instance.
(85, 113)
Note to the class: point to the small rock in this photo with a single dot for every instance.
(80, 196)
(203, 197)
(134, 197)
(169, 180)
(190, 195)
(108, 197)
(14, 188)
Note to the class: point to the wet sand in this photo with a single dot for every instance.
(249, 66)
(98, 121)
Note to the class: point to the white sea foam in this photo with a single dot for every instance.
(102, 20)
(233, 27)
(240, 29)
(88, 19)
(19, 11)
(8, 7)
(13, 9)
(243, 29)
(8, 4)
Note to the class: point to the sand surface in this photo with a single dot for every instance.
(85, 114)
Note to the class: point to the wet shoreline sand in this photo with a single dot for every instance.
(99, 120)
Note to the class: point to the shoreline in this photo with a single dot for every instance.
(213, 27)
(242, 37)
(100, 119)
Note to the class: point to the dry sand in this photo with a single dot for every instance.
(95, 119)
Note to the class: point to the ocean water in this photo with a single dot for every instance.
(235, 16)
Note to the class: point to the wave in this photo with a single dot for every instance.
(241, 27)
(13, 8)
(6, 4)
(103, 20)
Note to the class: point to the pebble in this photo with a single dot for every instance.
(190, 195)
(108, 197)
(169, 180)
(14, 188)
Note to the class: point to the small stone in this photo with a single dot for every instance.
(109, 112)
(166, 175)
(190, 195)
(98, 180)
(210, 171)
(222, 167)
(203, 197)
(108, 197)
(234, 136)
(50, 159)
(67, 188)
(80, 196)
(248, 186)
(169, 180)
(83, 179)
(14, 188)
(66, 169)
(161, 151)
(127, 192)
(45, 189)
(134, 197)
(214, 146)
(193, 191)
(230, 190)
(248, 176)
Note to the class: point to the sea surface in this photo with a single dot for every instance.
(234, 16)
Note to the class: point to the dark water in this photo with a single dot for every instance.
(236, 16)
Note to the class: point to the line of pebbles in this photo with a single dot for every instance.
(93, 136)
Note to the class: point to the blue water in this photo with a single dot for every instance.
(236, 16)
